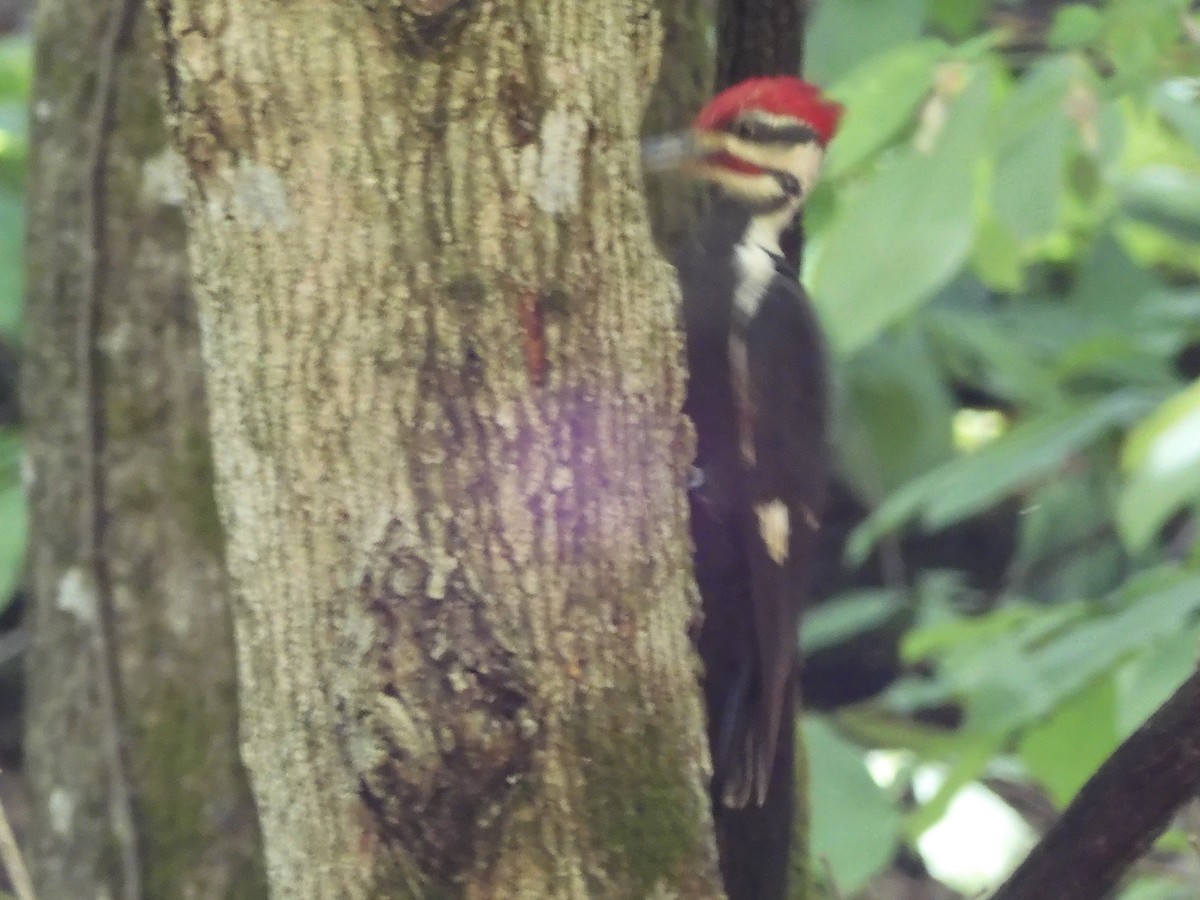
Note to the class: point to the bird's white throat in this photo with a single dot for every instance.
(755, 267)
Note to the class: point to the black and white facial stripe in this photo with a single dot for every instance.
(769, 162)
(762, 131)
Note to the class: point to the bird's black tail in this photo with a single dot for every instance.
(755, 841)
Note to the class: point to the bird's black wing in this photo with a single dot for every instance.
(784, 496)
(751, 602)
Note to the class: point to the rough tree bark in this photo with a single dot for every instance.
(131, 741)
(685, 82)
(445, 385)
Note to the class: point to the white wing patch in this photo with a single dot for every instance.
(755, 271)
(774, 528)
(739, 370)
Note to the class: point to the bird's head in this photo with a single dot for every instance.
(761, 142)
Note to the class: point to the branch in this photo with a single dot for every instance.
(1121, 811)
(14, 863)
(92, 506)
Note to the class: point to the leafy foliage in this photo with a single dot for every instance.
(1006, 256)
(846, 804)
(15, 79)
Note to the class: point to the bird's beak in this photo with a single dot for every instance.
(665, 152)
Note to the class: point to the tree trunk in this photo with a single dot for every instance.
(446, 386)
(685, 83)
(132, 748)
(759, 37)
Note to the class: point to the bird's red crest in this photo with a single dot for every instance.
(780, 95)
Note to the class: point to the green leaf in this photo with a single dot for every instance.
(1117, 358)
(1015, 665)
(906, 231)
(971, 762)
(896, 415)
(979, 664)
(1032, 137)
(854, 828)
(14, 146)
(978, 348)
(1075, 25)
(1162, 459)
(1105, 331)
(12, 517)
(1140, 33)
(970, 484)
(1164, 196)
(1153, 613)
(843, 34)
(13, 168)
(1037, 98)
(958, 18)
(994, 679)
(16, 68)
(848, 615)
(12, 539)
(1066, 748)
(881, 97)
(1028, 187)
(945, 636)
(1066, 546)
(996, 257)
(1149, 679)
(1161, 887)
(1178, 101)
(1109, 288)
(873, 726)
(13, 123)
(12, 239)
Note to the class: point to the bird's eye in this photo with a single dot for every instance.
(744, 129)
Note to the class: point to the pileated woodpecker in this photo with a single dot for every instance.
(757, 397)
